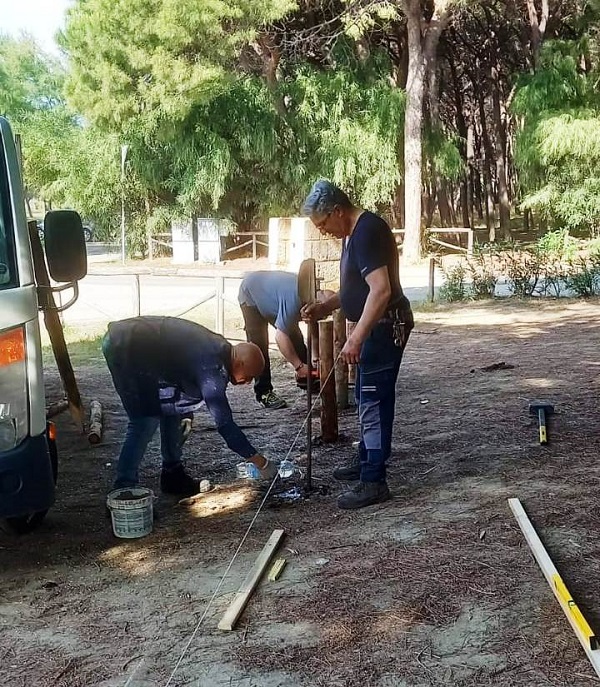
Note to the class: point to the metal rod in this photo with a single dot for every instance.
(309, 409)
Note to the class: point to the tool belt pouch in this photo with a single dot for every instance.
(404, 322)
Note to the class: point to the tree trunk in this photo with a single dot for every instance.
(398, 207)
(503, 201)
(538, 28)
(422, 58)
(490, 219)
(413, 117)
(270, 53)
(441, 189)
(398, 202)
(463, 147)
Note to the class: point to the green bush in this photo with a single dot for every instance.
(523, 270)
(584, 276)
(455, 288)
(555, 249)
(482, 271)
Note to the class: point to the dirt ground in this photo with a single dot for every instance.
(435, 587)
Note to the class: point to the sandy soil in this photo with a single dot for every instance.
(435, 587)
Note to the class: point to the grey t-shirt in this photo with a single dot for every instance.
(275, 295)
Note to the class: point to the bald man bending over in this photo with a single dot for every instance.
(164, 369)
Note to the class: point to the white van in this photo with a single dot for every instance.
(28, 458)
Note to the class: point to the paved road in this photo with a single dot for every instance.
(114, 296)
(111, 292)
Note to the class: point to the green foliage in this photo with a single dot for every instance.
(207, 137)
(443, 155)
(147, 63)
(454, 288)
(29, 79)
(558, 147)
(555, 249)
(482, 272)
(584, 276)
(349, 125)
(523, 269)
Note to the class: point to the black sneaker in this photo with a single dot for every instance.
(349, 472)
(364, 494)
(272, 401)
(178, 482)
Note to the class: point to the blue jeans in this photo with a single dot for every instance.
(375, 393)
(140, 428)
(140, 431)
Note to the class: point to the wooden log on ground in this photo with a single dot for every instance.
(329, 415)
(54, 327)
(56, 408)
(341, 368)
(95, 427)
(236, 607)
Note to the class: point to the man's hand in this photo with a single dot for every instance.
(268, 470)
(350, 353)
(311, 312)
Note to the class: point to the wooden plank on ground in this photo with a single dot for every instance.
(582, 630)
(236, 607)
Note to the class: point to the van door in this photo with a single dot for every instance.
(26, 474)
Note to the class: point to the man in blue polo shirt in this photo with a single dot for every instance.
(164, 369)
(370, 295)
(271, 298)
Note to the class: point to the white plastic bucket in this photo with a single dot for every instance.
(131, 512)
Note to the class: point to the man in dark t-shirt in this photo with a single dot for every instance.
(164, 369)
(371, 296)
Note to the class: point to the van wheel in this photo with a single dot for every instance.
(27, 523)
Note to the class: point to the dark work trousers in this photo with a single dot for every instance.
(257, 332)
(141, 428)
(375, 393)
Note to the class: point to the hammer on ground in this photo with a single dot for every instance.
(541, 409)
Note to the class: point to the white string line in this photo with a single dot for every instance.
(262, 503)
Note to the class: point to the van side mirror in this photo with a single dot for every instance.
(64, 243)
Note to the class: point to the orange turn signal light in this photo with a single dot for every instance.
(12, 346)
(51, 431)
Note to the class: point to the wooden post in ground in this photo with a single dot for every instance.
(55, 330)
(329, 416)
(431, 287)
(341, 368)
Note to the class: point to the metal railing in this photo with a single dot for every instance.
(449, 230)
(254, 241)
(112, 296)
(164, 240)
